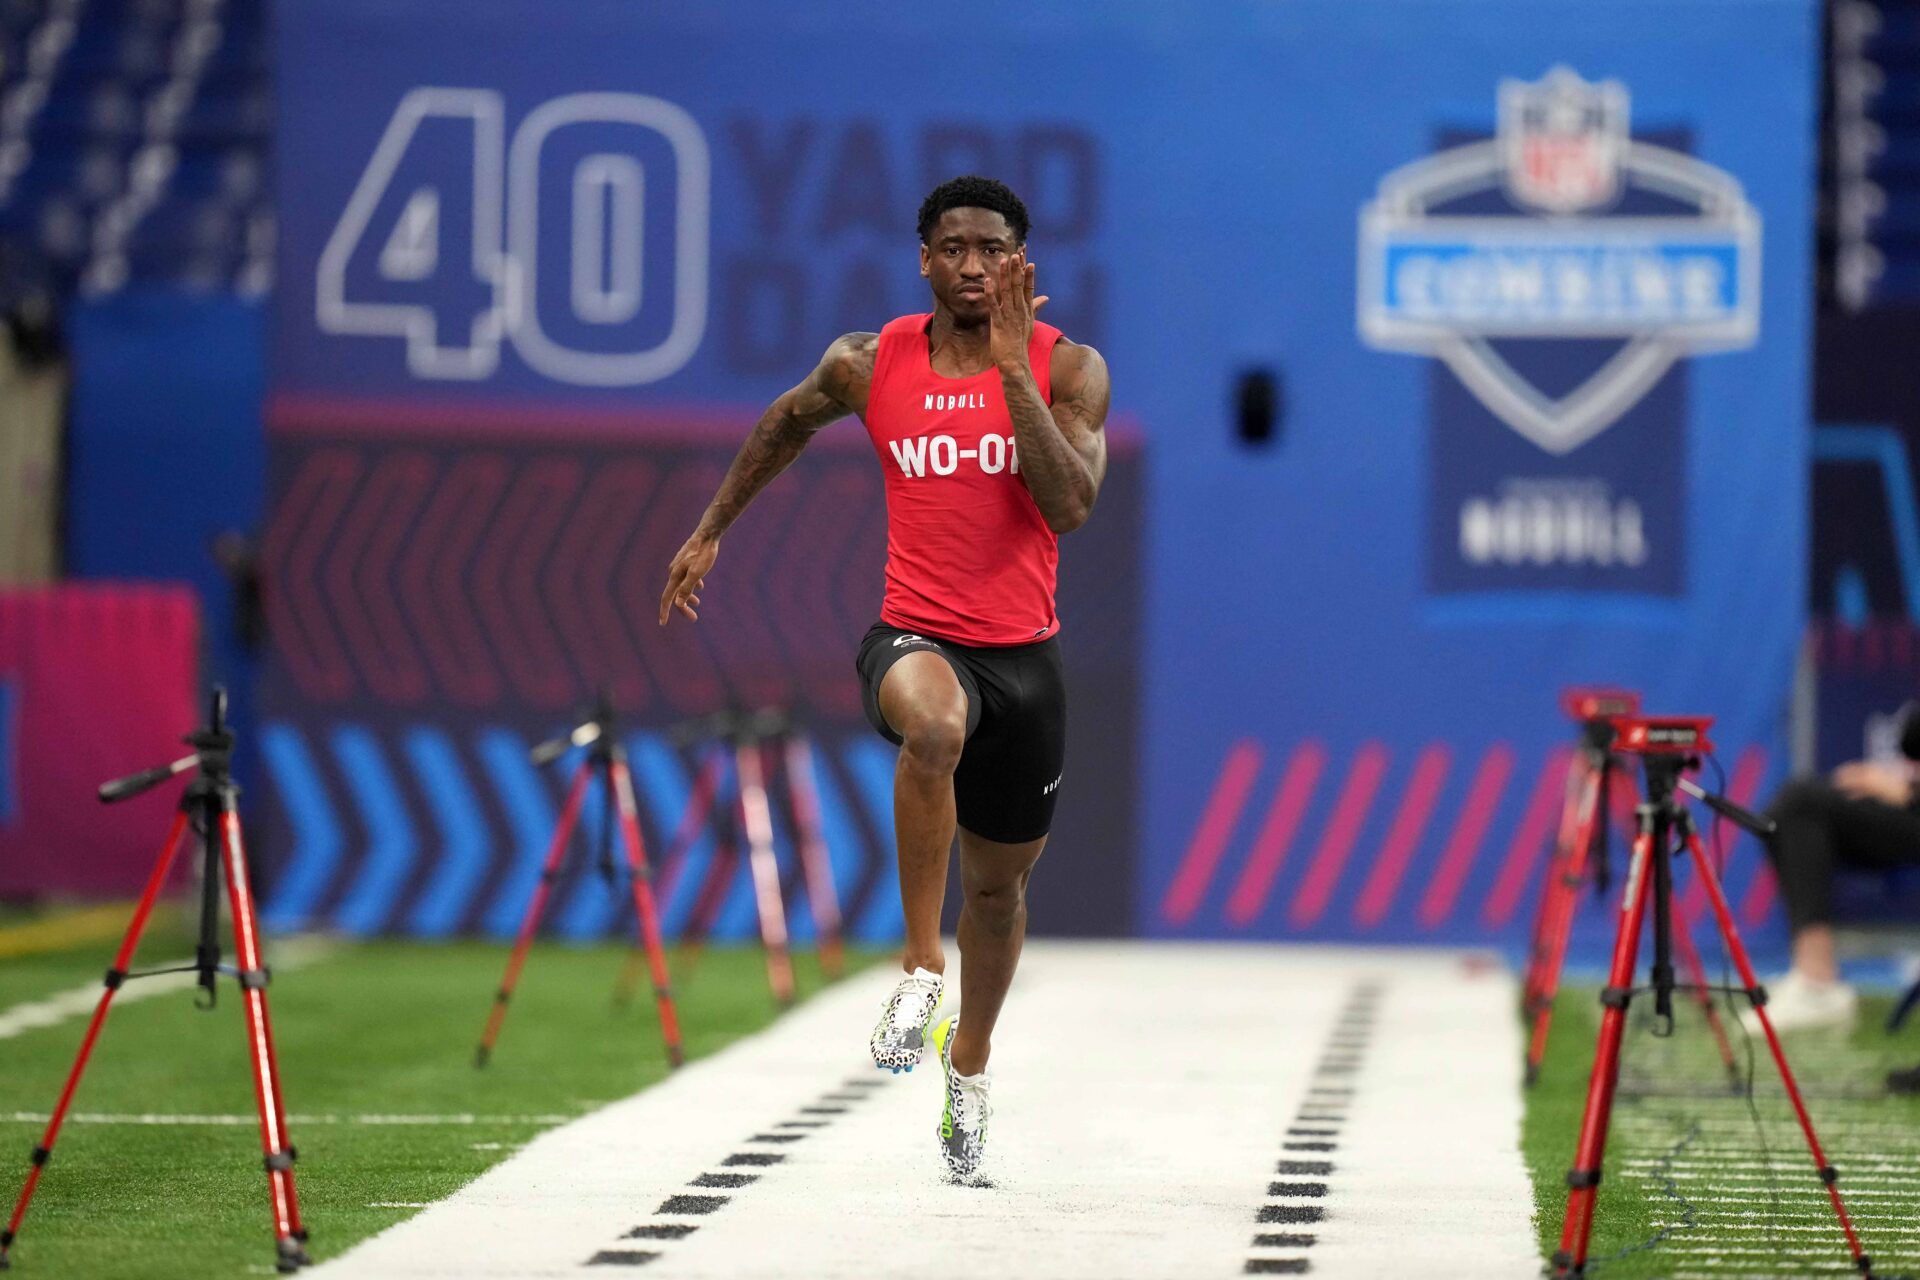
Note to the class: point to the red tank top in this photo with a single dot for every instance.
(969, 556)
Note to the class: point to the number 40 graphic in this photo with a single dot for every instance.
(405, 276)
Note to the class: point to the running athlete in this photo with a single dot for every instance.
(989, 428)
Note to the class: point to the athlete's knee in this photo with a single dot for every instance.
(933, 735)
(997, 908)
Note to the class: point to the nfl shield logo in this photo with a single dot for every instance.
(1561, 140)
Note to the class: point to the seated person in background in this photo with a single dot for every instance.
(1866, 816)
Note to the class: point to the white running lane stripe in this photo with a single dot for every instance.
(1142, 1094)
(79, 1001)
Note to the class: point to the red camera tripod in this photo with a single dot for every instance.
(743, 740)
(606, 759)
(210, 807)
(1580, 854)
(1669, 747)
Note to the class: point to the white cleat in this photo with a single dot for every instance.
(901, 1036)
(1797, 1003)
(963, 1122)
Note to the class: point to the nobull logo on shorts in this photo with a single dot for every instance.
(1558, 271)
(1444, 274)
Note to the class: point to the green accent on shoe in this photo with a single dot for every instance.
(940, 1036)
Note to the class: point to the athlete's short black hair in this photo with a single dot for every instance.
(971, 191)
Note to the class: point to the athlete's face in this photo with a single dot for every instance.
(961, 249)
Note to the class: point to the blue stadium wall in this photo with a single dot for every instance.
(1526, 285)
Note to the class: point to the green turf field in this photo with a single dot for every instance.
(158, 1172)
(1695, 1185)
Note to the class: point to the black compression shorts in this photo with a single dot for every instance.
(1009, 772)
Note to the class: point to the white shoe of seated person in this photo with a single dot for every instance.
(1799, 1003)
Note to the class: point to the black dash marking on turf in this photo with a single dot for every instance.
(776, 1137)
(1320, 1119)
(754, 1157)
(1291, 1214)
(843, 1097)
(691, 1204)
(622, 1258)
(724, 1179)
(801, 1124)
(1291, 1190)
(663, 1231)
(1305, 1168)
(863, 1083)
(823, 1111)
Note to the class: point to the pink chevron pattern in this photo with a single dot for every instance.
(1349, 814)
(1463, 846)
(1217, 822)
(1403, 837)
(523, 578)
(1529, 840)
(1276, 833)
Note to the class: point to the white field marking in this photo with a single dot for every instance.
(398, 1204)
(1763, 1217)
(1822, 1228)
(1906, 1197)
(1142, 1095)
(294, 1120)
(288, 953)
(1878, 1162)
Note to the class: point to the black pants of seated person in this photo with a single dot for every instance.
(1822, 830)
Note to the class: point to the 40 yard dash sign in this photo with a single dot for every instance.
(581, 240)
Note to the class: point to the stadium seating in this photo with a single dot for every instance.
(133, 145)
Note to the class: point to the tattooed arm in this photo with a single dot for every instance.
(1063, 450)
(837, 386)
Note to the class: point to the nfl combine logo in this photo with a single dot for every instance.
(1605, 237)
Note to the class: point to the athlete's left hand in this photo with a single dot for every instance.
(1011, 308)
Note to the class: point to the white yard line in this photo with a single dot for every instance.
(80, 1001)
(294, 1119)
(1142, 1096)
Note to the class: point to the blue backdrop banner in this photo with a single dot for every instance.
(1530, 280)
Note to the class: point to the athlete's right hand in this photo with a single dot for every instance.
(687, 575)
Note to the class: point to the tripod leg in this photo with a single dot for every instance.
(621, 780)
(1697, 978)
(822, 898)
(116, 975)
(288, 1233)
(1583, 1180)
(713, 890)
(1829, 1176)
(1558, 924)
(758, 821)
(530, 924)
(699, 809)
(1573, 822)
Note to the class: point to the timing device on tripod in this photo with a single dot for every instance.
(1668, 749)
(1580, 856)
(210, 808)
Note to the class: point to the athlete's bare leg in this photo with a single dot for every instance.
(922, 700)
(993, 925)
